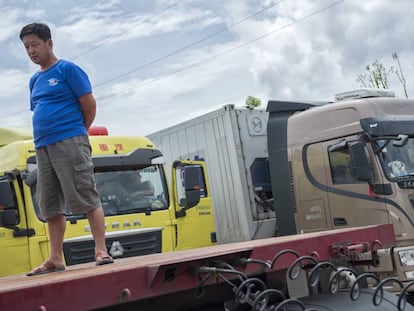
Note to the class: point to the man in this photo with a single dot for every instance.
(63, 109)
(127, 185)
(134, 187)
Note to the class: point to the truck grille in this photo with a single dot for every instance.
(81, 250)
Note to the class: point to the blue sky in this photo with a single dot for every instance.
(156, 63)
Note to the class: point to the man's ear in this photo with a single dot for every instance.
(50, 43)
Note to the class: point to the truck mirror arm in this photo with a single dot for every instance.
(181, 213)
(378, 149)
(397, 141)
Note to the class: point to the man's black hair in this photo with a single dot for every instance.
(39, 29)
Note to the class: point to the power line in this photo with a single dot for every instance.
(209, 59)
(175, 51)
(110, 38)
(229, 50)
(97, 46)
(126, 31)
(187, 46)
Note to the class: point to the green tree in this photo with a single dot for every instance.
(376, 75)
(252, 102)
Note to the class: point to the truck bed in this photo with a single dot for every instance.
(169, 279)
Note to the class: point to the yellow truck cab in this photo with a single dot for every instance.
(143, 214)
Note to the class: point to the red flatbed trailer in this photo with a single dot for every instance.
(174, 281)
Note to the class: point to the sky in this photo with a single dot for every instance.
(156, 63)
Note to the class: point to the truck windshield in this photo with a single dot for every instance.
(397, 161)
(132, 191)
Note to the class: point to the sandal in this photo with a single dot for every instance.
(46, 267)
(102, 258)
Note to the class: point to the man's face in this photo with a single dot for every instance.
(37, 49)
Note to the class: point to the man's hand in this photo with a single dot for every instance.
(88, 104)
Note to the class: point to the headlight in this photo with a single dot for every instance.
(407, 257)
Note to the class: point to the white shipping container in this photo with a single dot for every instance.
(233, 143)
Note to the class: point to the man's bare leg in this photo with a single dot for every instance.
(97, 222)
(57, 226)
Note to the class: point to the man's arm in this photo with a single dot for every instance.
(88, 104)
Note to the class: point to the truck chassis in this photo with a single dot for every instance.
(281, 273)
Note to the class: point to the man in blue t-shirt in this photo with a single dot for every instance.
(63, 109)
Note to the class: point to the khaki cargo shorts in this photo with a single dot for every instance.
(65, 180)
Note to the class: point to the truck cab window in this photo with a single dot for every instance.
(180, 184)
(132, 190)
(340, 166)
(397, 161)
(8, 198)
(262, 185)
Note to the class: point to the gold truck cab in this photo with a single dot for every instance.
(349, 163)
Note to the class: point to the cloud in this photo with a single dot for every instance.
(157, 63)
(9, 28)
(322, 55)
(101, 24)
(176, 94)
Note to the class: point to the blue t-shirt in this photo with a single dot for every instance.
(54, 93)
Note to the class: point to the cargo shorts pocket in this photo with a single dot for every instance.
(83, 176)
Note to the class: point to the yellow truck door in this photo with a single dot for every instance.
(39, 242)
(14, 234)
(195, 226)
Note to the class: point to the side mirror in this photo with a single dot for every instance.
(8, 218)
(31, 178)
(360, 162)
(192, 186)
(192, 189)
(6, 194)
